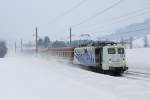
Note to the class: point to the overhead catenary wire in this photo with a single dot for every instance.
(143, 13)
(147, 28)
(127, 15)
(137, 30)
(133, 12)
(68, 11)
(98, 13)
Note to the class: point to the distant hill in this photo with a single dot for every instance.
(136, 31)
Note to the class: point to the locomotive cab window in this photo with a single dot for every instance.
(111, 51)
(120, 50)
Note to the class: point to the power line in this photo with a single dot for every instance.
(128, 31)
(148, 28)
(137, 30)
(69, 10)
(91, 17)
(98, 13)
(133, 12)
(123, 20)
(126, 15)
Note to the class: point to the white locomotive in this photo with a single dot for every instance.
(105, 57)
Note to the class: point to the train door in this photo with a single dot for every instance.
(98, 56)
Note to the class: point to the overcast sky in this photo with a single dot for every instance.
(18, 18)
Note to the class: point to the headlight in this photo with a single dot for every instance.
(124, 60)
(109, 61)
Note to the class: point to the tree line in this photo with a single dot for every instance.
(3, 49)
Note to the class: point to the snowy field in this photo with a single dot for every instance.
(139, 59)
(31, 78)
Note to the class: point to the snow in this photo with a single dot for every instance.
(139, 42)
(138, 59)
(35, 78)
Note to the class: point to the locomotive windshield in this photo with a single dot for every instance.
(114, 51)
(111, 51)
(120, 50)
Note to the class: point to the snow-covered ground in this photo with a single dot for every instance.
(31, 78)
(139, 59)
(139, 42)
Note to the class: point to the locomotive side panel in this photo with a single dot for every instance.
(85, 56)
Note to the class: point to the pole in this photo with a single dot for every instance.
(36, 39)
(70, 36)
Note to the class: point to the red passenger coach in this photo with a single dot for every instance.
(64, 52)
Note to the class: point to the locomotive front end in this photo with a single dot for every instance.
(114, 59)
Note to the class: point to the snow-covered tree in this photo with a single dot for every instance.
(122, 41)
(146, 42)
(46, 41)
(131, 42)
(3, 49)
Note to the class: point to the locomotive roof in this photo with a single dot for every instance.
(99, 43)
(106, 43)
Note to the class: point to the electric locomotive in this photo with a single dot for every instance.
(102, 56)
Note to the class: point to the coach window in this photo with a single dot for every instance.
(111, 51)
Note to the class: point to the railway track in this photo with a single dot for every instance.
(140, 74)
(137, 75)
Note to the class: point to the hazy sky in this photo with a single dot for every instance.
(18, 18)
